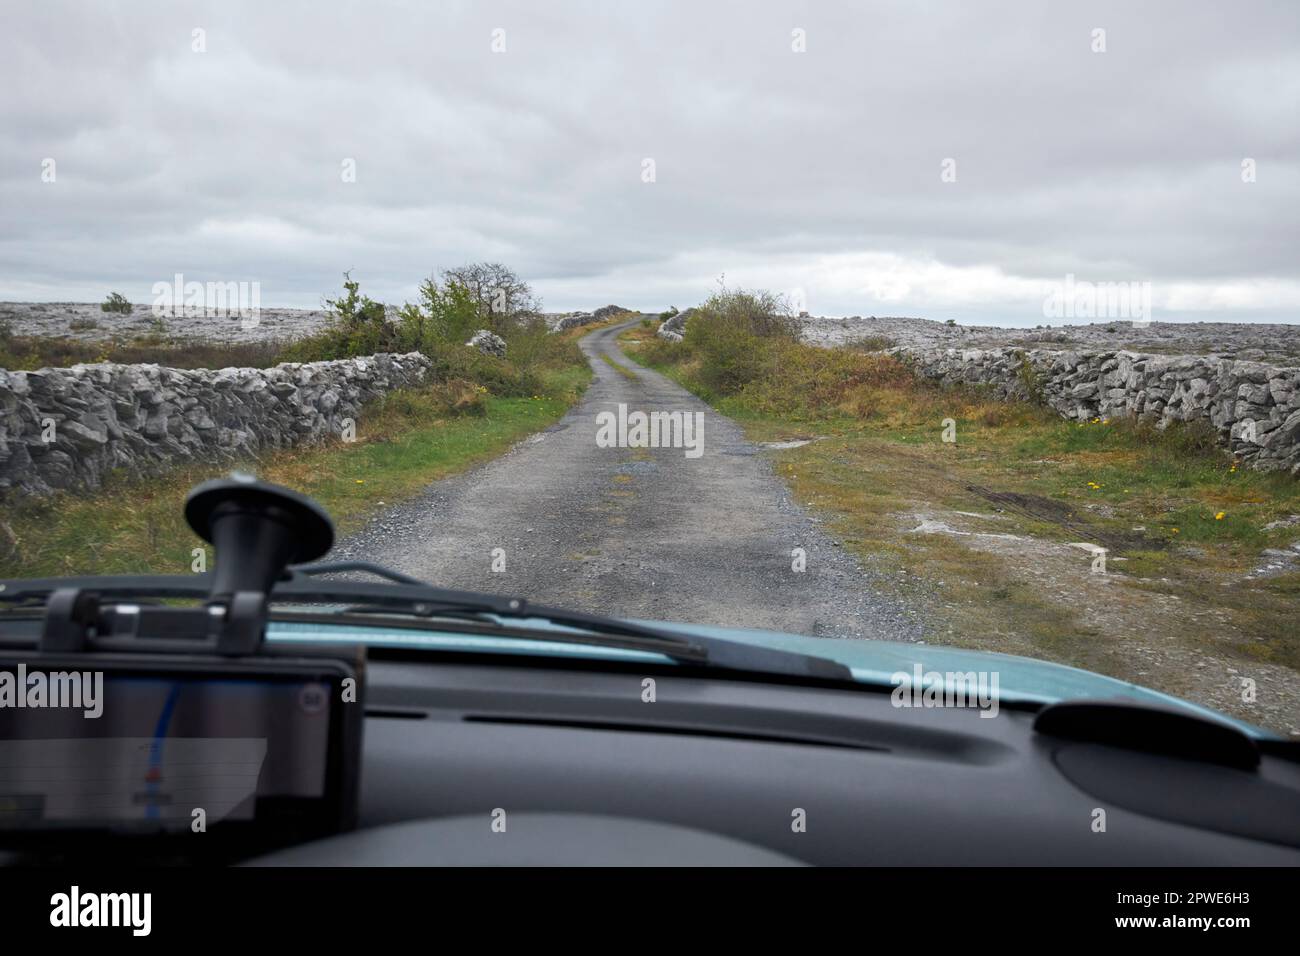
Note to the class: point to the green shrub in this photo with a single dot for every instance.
(501, 299)
(116, 302)
(873, 343)
(659, 352)
(806, 382)
(358, 326)
(529, 343)
(452, 397)
(734, 333)
(445, 315)
(500, 376)
(1030, 383)
(1196, 439)
(439, 325)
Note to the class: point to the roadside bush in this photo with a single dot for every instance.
(452, 397)
(744, 346)
(499, 375)
(734, 334)
(439, 325)
(1193, 439)
(803, 381)
(358, 326)
(445, 315)
(461, 397)
(480, 296)
(657, 351)
(501, 299)
(529, 343)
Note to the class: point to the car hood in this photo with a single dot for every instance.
(1021, 680)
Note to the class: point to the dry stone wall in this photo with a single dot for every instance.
(66, 428)
(1253, 406)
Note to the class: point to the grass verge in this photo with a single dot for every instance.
(404, 441)
(616, 366)
(979, 530)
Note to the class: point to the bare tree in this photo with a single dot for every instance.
(502, 297)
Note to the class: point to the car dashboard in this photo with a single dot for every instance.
(467, 763)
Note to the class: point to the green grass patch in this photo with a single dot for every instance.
(1183, 516)
(621, 369)
(404, 441)
(478, 405)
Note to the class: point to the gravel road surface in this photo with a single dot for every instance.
(635, 532)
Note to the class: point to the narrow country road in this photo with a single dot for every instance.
(635, 532)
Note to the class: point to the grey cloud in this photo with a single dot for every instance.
(1122, 165)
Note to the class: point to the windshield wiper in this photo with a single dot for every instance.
(486, 624)
(267, 539)
(482, 613)
(431, 601)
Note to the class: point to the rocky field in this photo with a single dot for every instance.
(1279, 344)
(85, 321)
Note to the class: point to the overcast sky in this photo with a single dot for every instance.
(818, 174)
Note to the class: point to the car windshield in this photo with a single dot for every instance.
(853, 343)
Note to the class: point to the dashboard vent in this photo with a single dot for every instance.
(642, 727)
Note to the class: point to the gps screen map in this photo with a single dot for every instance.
(163, 752)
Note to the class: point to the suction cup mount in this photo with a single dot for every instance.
(258, 529)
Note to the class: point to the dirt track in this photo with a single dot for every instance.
(636, 532)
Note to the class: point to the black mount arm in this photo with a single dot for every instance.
(257, 530)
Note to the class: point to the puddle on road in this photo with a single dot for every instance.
(637, 467)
